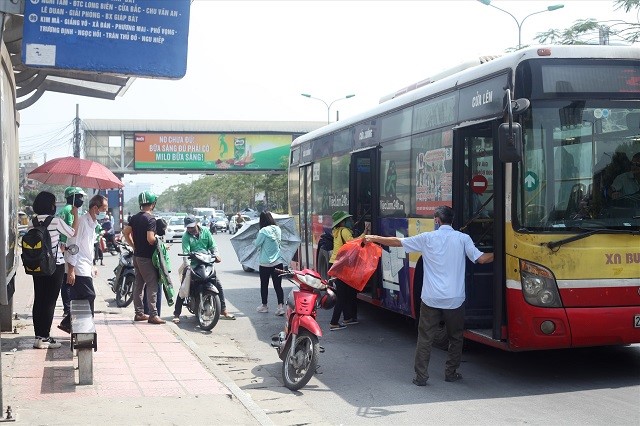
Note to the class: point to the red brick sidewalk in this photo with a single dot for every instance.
(142, 373)
(133, 359)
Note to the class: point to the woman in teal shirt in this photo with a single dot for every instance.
(268, 241)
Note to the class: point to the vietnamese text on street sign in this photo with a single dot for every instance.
(131, 37)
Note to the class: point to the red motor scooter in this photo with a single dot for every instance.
(297, 345)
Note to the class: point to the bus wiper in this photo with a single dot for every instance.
(553, 245)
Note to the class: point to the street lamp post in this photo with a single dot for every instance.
(328, 105)
(519, 23)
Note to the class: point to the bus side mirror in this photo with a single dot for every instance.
(510, 142)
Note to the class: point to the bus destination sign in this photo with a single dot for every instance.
(146, 38)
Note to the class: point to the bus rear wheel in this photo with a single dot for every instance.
(323, 263)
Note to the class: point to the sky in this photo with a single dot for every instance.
(251, 60)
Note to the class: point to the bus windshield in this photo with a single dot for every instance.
(581, 166)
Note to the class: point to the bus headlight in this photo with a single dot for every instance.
(539, 285)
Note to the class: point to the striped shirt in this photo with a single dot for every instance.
(55, 228)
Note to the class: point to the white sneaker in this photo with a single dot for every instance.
(263, 309)
(46, 343)
(280, 311)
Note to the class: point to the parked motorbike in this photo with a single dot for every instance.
(203, 299)
(125, 276)
(298, 345)
(111, 244)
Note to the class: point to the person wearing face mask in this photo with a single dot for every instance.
(443, 257)
(79, 256)
(140, 233)
(75, 199)
(346, 303)
(46, 288)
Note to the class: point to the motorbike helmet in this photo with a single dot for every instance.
(188, 220)
(147, 197)
(161, 227)
(74, 195)
(73, 190)
(328, 299)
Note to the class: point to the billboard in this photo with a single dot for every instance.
(134, 37)
(211, 151)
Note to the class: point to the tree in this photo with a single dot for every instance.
(234, 191)
(592, 31)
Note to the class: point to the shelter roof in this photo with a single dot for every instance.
(195, 126)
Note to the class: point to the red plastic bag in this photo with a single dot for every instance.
(356, 262)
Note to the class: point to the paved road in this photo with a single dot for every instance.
(366, 371)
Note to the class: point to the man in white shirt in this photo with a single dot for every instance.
(80, 263)
(443, 252)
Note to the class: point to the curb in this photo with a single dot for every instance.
(246, 400)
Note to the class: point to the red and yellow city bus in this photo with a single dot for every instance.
(531, 177)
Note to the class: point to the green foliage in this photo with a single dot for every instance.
(235, 191)
(588, 31)
(30, 194)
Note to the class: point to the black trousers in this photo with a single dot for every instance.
(346, 303)
(81, 290)
(265, 273)
(46, 290)
(97, 253)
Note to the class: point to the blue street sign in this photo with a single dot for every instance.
(145, 38)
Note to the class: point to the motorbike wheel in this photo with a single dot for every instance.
(300, 363)
(124, 291)
(208, 309)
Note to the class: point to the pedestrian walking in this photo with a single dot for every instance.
(443, 256)
(268, 242)
(79, 257)
(347, 303)
(140, 233)
(47, 287)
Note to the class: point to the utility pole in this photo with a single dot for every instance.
(76, 135)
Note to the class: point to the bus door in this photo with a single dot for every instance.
(476, 200)
(306, 238)
(363, 191)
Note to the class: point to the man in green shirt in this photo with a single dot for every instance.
(75, 197)
(199, 239)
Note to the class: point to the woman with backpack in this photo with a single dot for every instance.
(347, 296)
(268, 241)
(47, 287)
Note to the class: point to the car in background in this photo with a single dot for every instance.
(221, 222)
(175, 229)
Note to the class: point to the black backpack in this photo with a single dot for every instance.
(326, 240)
(37, 254)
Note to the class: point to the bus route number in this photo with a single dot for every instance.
(636, 321)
